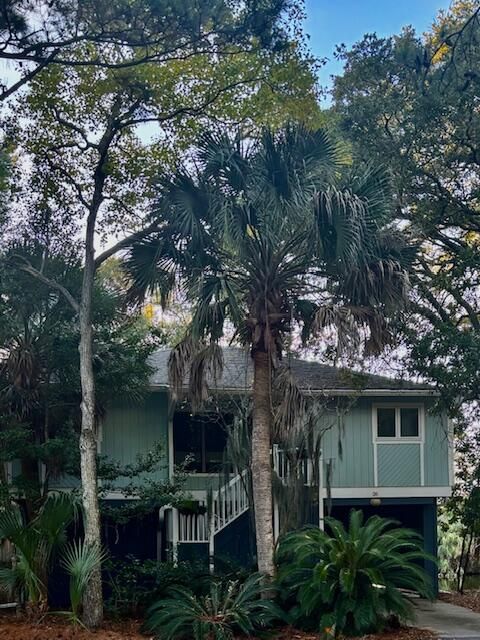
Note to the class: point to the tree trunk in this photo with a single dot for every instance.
(466, 562)
(93, 600)
(460, 563)
(261, 462)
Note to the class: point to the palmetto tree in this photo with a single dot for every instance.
(265, 237)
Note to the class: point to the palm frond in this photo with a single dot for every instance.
(80, 560)
(290, 409)
(179, 362)
(353, 576)
(206, 367)
(149, 268)
(267, 234)
(56, 514)
(229, 608)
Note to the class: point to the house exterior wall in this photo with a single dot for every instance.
(351, 456)
(131, 430)
(354, 457)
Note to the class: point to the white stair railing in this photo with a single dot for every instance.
(228, 503)
(282, 465)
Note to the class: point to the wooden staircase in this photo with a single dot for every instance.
(227, 504)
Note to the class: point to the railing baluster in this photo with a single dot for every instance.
(228, 502)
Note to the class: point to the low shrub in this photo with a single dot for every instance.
(134, 584)
(351, 581)
(230, 607)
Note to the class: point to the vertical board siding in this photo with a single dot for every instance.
(348, 447)
(129, 430)
(399, 465)
(436, 451)
(203, 482)
(132, 430)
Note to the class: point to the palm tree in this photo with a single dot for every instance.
(35, 543)
(268, 236)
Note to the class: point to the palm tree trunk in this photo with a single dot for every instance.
(261, 462)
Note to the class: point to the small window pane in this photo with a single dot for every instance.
(409, 423)
(386, 423)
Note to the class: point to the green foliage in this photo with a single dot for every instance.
(135, 585)
(80, 560)
(219, 80)
(462, 510)
(138, 482)
(35, 545)
(450, 532)
(270, 234)
(39, 368)
(410, 103)
(351, 580)
(132, 34)
(229, 608)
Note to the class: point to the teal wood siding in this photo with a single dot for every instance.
(348, 448)
(203, 482)
(436, 451)
(398, 465)
(65, 482)
(131, 430)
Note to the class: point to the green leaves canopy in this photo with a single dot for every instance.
(264, 234)
(410, 103)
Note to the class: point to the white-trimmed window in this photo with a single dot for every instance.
(398, 422)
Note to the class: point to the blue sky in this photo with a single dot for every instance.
(331, 22)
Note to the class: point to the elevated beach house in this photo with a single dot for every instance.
(388, 452)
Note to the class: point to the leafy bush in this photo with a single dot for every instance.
(450, 536)
(228, 608)
(351, 580)
(135, 584)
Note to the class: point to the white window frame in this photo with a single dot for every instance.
(398, 438)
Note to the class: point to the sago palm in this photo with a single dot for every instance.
(230, 607)
(352, 579)
(267, 237)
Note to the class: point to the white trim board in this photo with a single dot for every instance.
(171, 452)
(390, 492)
(340, 492)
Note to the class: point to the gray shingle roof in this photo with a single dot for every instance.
(311, 375)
